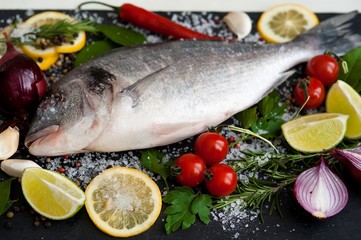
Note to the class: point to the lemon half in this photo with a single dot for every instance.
(284, 22)
(123, 202)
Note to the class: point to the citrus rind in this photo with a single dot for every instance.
(51, 194)
(49, 55)
(315, 132)
(342, 98)
(123, 202)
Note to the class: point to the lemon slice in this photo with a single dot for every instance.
(316, 132)
(46, 63)
(34, 52)
(342, 98)
(284, 22)
(49, 18)
(123, 202)
(51, 194)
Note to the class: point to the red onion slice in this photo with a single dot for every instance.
(352, 159)
(320, 192)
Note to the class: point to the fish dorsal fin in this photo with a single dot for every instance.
(137, 88)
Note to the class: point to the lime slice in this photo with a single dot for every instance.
(51, 194)
(316, 132)
(123, 202)
(342, 98)
(284, 22)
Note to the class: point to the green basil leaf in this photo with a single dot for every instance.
(5, 187)
(353, 77)
(120, 35)
(93, 50)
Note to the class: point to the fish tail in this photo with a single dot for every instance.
(334, 34)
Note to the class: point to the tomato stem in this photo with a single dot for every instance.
(339, 59)
(175, 170)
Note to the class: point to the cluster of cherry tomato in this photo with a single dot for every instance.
(322, 71)
(191, 168)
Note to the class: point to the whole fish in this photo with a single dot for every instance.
(158, 94)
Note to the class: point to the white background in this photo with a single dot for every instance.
(190, 5)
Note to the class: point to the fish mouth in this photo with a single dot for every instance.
(31, 138)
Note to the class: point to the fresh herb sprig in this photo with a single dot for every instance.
(184, 206)
(64, 27)
(265, 118)
(353, 75)
(152, 160)
(268, 175)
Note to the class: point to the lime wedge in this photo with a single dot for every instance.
(316, 132)
(342, 98)
(51, 194)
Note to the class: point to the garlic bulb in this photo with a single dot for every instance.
(239, 23)
(9, 142)
(16, 167)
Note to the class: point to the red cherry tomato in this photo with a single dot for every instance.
(222, 180)
(316, 91)
(212, 147)
(323, 67)
(190, 169)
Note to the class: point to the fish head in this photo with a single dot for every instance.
(72, 115)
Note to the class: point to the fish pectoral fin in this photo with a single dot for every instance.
(176, 131)
(137, 88)
(283, 76)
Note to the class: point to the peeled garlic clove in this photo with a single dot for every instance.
(16, 167)
(9, 142)
(239, 23)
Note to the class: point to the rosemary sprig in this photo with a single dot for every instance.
(62, 28)
(256, 161)
(256, 192)
(268, 175)
(65, 28)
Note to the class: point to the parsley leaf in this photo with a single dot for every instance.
(353, 76)
(265, 118)
(151, 159)
(5, 202)
(184, 206)
(201, 206)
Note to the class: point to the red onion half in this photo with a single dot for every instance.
(352, 160)
(320, 192)
(22, 83)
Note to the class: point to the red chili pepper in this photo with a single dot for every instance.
(154, 22)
